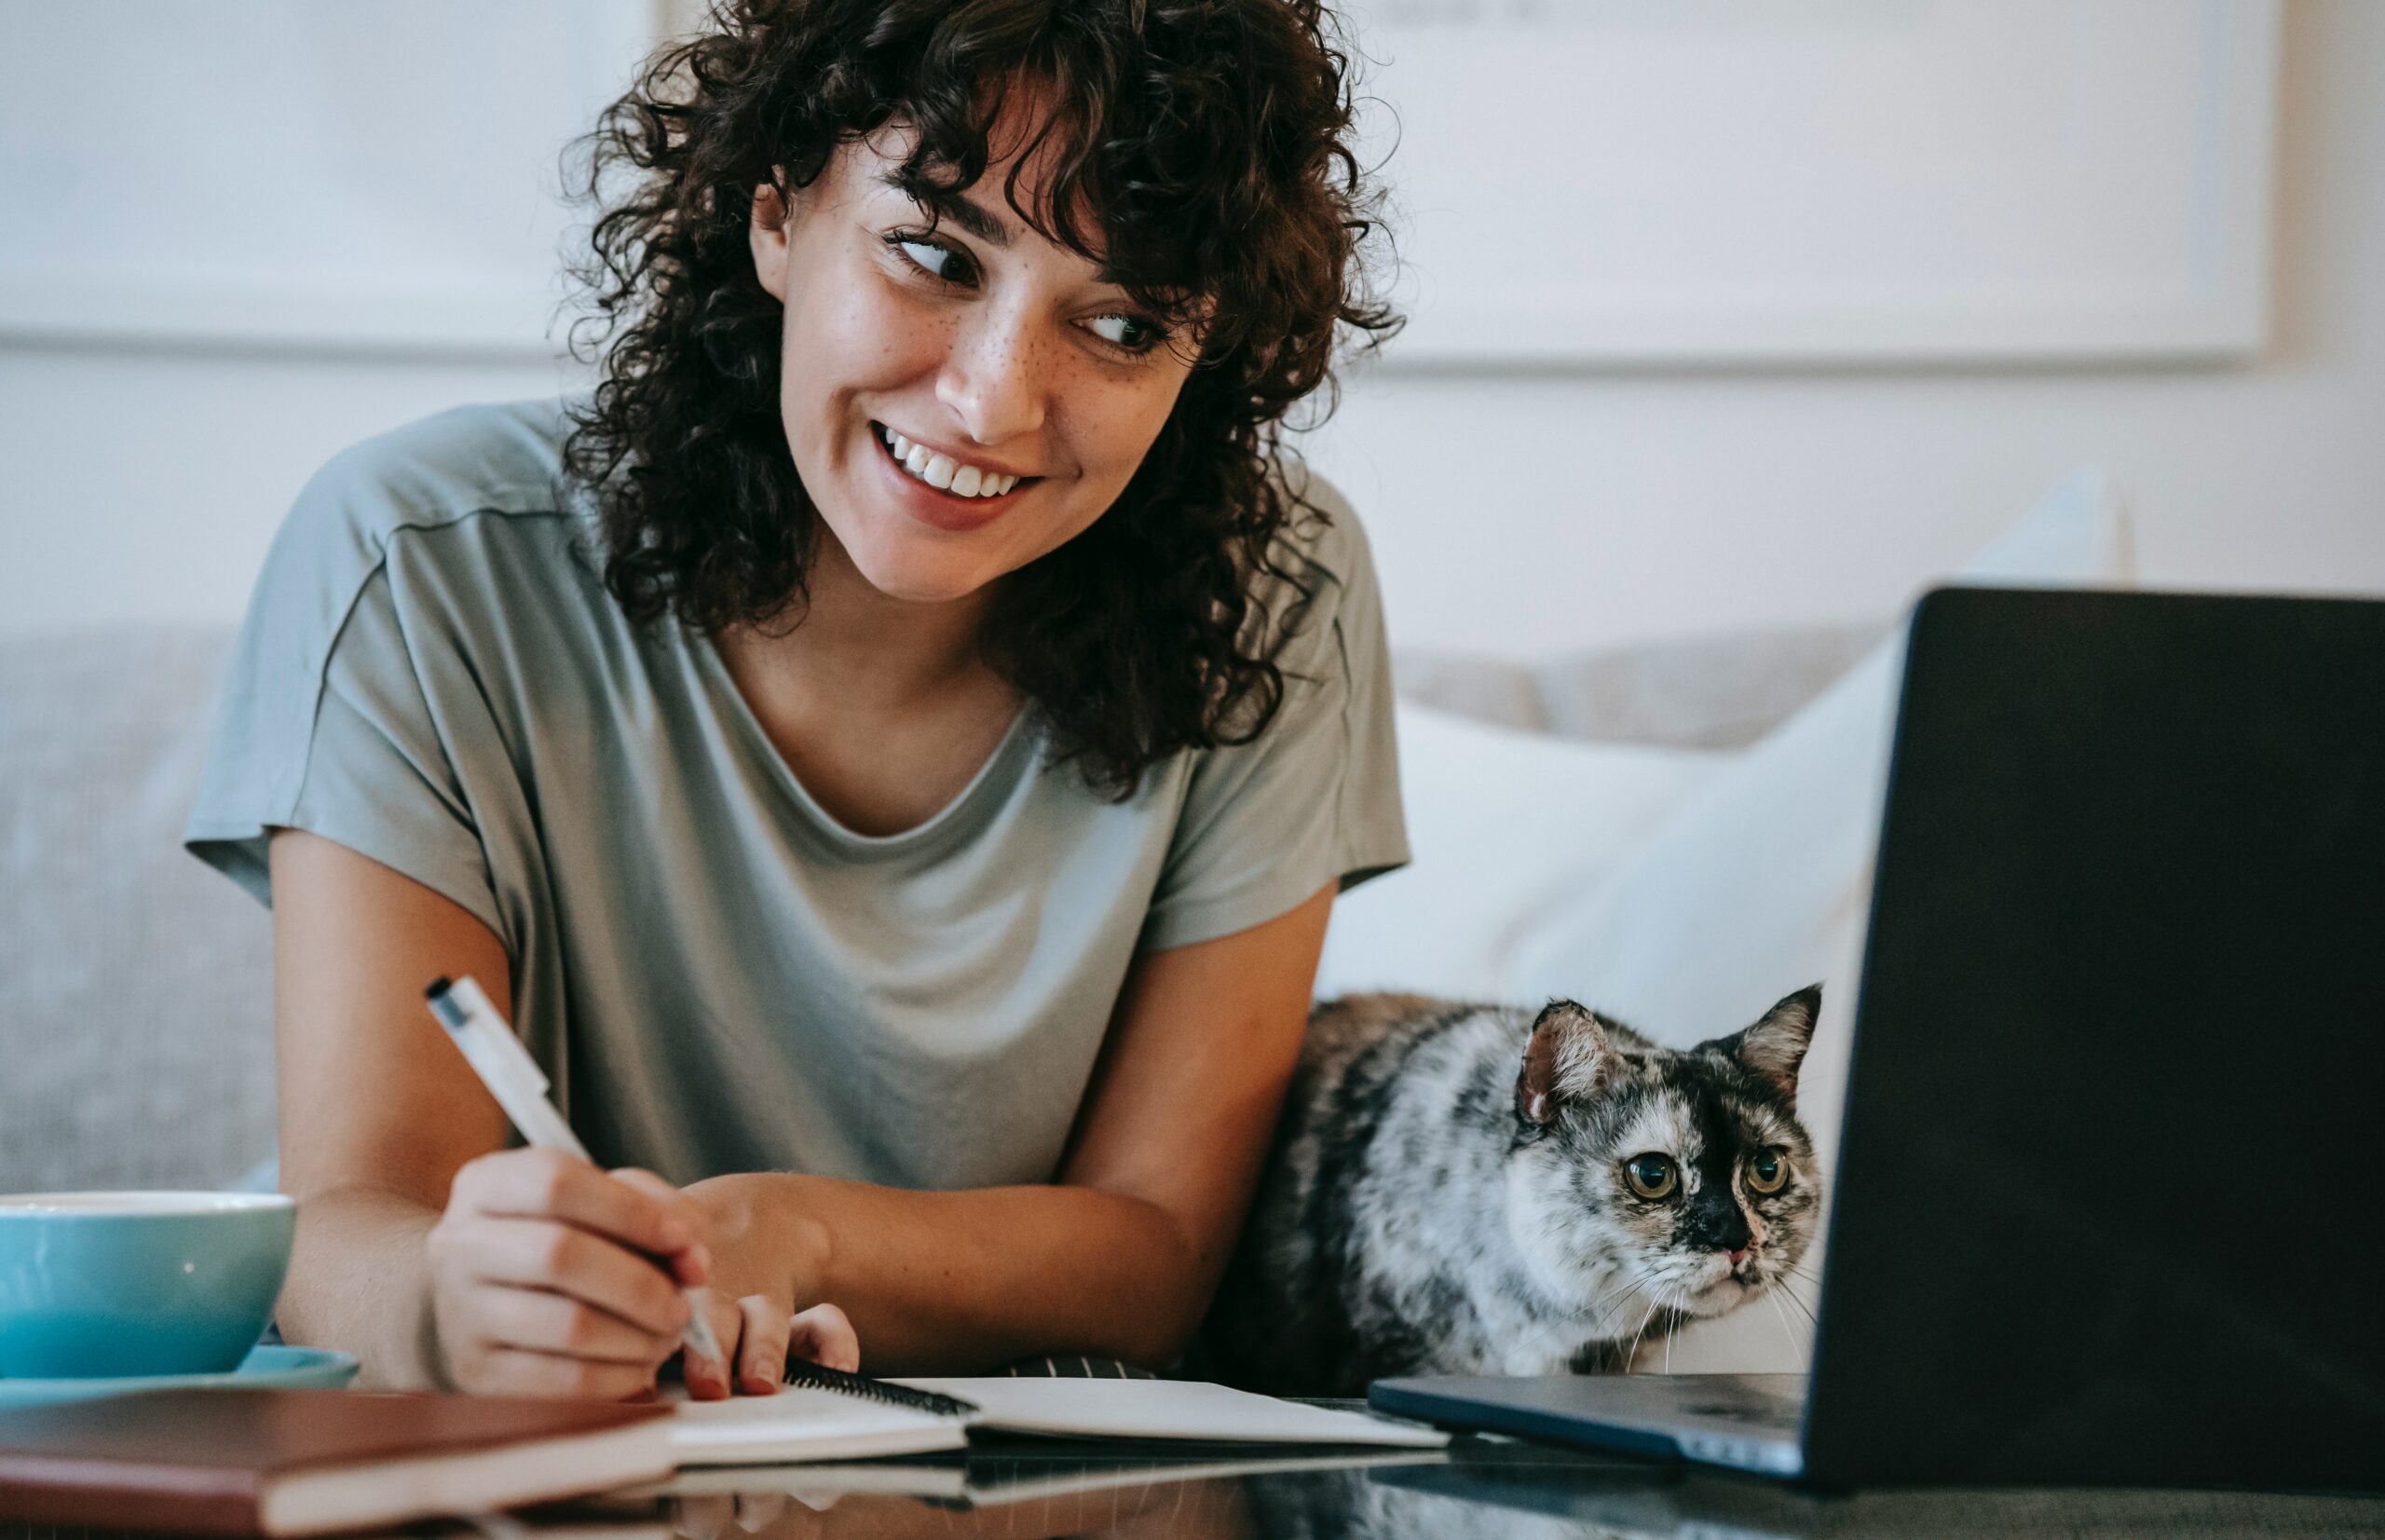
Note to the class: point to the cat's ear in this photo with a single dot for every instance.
(1775, 1047)
(1568, 1056)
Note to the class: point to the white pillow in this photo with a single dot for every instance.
(1504, 826)
(1761, 883)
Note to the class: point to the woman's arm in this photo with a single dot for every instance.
(1120, 1257)
(424, 1248)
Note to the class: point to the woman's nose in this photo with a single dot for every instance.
(994, 377)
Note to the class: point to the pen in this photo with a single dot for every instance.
(514, 1078)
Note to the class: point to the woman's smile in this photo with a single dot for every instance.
(945, 490)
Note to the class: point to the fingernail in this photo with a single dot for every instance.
(676, 1236)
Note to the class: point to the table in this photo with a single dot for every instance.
(1491, 1488)
(1483, 1487)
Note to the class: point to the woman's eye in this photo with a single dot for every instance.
(1132, 333)
(935, 260)
(1767, 1172)
(1652, 1176)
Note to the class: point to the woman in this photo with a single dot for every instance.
(895, 744)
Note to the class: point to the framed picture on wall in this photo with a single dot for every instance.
(1723, 182)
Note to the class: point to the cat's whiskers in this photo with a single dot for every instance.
(1597, 1327)
(1632, 1353)
(1788, 1334)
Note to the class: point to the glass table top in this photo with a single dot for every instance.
(1481, 1487)
(1493, 1488)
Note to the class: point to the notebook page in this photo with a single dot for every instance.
(799, 1424)
(1169, 1408)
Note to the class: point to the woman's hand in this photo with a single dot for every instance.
(551, 1278)
(766, 1257)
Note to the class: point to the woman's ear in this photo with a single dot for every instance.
(767, 233)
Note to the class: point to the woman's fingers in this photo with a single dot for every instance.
(708, 1380)
(537, 1321)
(552, 1375)
(692, 1263)
(636, 1209)
(702, 1515)
(761, 1348)
(541, 1254)
(823, 1335)
(758, 1510)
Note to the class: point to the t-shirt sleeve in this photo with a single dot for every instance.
(327, 723)
(1314, 797)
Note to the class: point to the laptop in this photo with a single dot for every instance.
(2109, 1203)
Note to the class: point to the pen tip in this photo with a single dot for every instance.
(439, 985)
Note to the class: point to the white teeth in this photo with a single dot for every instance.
(946, 473)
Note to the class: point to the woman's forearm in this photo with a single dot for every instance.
(957, 1282)
(360, 1283)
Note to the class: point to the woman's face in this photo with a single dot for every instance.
(994, 353)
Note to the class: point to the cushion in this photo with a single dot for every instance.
(1504, 827)
(1702, 692)
(1719, 884)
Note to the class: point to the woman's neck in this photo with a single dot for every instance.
(862, 650)
(883, 709)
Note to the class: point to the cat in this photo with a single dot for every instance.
(1460, 1189)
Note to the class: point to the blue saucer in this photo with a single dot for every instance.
(278, 1368)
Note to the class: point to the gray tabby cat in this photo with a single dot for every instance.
(1473, 1189)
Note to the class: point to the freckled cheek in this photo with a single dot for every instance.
(1115, 426)
(857, 336)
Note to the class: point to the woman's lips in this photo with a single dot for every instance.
(941, 509)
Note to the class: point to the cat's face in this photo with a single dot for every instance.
(1650, 1180)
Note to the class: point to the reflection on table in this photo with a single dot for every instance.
(1481, 1487)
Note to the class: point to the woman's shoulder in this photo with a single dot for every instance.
(1322, 532)
(504, 457)
(464, 488)
(1320, 574)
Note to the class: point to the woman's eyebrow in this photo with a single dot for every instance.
(954, 207)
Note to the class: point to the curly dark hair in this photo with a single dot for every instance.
(1199, 145)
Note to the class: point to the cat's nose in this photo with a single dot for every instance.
(1740, 1256)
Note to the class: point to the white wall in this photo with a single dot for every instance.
(1510, 513)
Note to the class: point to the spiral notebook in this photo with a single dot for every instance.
(824, 1415)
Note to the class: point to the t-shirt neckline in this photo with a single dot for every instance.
(995, 773)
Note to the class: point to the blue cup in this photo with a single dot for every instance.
(97, 1285)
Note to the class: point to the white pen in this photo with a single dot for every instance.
(515, 1079)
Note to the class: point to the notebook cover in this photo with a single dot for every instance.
(198, 1460)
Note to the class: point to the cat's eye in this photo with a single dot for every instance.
(1652, 1176)
(1767, 1172)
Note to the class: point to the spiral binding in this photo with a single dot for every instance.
(820, 1377)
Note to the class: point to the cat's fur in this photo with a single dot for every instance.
(1447, 1193)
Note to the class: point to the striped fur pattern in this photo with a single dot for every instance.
(1450, 1192)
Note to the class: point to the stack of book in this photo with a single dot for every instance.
(316, 1461)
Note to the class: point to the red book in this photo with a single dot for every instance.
(311, 1462)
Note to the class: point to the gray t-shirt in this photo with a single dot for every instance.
(717, 975)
